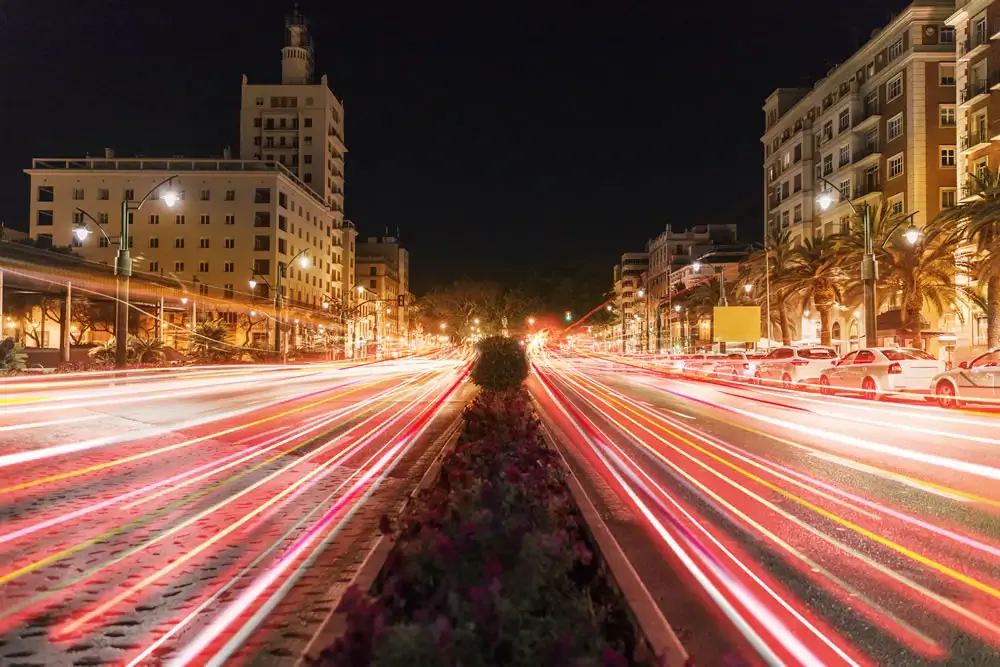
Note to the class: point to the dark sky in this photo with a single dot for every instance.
(501, 137)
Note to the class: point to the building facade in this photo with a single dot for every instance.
(235, 220)
(879, 126)
(383, 269)
(628, 280)
(670, 251)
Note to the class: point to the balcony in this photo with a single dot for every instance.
(974, 141)
(975, 92)
(870, 116)
(867, 156)
(969, 190)
(867, 189)
(971, 48)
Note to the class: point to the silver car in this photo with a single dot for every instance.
(794, 366)
(976, 380)
(881, 371)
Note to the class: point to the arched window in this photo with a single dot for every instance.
(836, 331)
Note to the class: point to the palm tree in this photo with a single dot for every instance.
(779, 251)
(815, 274)
(145, 350)
(979, 221)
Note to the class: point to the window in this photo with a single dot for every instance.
(894, 88)
(308, 177)
(230, 243)
(844, 120)
(894, 127)
(178, 267)
(784, 195)
(896, 49)
(227, 291)
(262, 266)
(947, 115)
(308, 122)
(230, 219)
(228, 267)
(44, 218)
(179, 220)
(46, 193)
(373, 271)
(103, 242)
(948, 198)
(102, 218)
(947, 156)
(230, 195)
(205, 219)
(827, 131)
(981, 169)
(374, 283)
(308, 159)
(206, 195)
(896, 205)
(895, 165)
(784, 219)
(78, 194)
(845, 189)
(262, 196)
(797, 153)
(261, 243)
(979, 35)
(154, 267)
(845, 155)
(871, 141)
(203, 289)
(203, 267)
(262, 219)
(282, 200)
(797, 213)
(103, 194)
(259, 101)
(154, 242)
(827, 165)
(946, 74)
(308, 140)
(203, 242)
(797, 183)
(78, 218)
(282, 246)
(871, 103)
(179, 242)
(154, 219)
(947, 35)
(128, 194)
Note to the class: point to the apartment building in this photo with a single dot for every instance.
(628, 279)
(880, 125)
(670, 251)
(233, 220)
(383, 267)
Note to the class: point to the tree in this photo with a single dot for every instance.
(210, 341)
(145, 350)
(979, 221)
(247, 323)
(780, 263)
(815, 275)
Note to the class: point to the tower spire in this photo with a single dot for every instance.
(297, 54)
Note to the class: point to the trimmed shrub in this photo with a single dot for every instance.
(501, 364)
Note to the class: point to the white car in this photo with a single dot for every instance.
(978, 379)
(880, 371)
(735, 366)
(794, 366)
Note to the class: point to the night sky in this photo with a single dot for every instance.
(501, 138)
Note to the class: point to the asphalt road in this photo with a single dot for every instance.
(781, 527)
(201, 516)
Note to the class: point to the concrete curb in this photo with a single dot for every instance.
(650, 621)
(333, 625)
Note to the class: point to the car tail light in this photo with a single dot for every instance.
(746, 366)
(799, 362)
(895, 369)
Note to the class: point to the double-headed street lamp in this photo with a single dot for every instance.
(123, 262)
(869, 269)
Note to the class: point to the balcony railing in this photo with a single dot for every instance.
(866, 151)
(972, 139)
(867, 188)
(974, 89)
(966, 48)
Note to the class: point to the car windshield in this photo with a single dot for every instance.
(817, 353)
(988, 359)
(907, 354)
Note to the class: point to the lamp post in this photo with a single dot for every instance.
(279, 300)
(869, 268)
(123, 263)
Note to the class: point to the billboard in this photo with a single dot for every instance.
(736, 324)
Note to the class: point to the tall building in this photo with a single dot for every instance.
(383, 267)
(235, 218)
(670, 251)
(628, 281)
(976, 26)
(879, 125)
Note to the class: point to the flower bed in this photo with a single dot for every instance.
(492, 566)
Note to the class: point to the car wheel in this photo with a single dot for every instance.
(758, 379)
(945, 392)
(786, 381)
(870, 389)
(824, 386)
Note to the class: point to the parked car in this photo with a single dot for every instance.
(878, 371)
(974, 380)
(794, 366)
(736, 366)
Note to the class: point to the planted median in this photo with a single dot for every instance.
(492, 564)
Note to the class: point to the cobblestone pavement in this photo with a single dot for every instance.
(186, 517)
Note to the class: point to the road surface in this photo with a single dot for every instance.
(811, 530)
(201, 516)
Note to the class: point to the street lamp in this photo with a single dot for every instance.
(279, 300)
(531, 321)
(912, 234)
(748, 288)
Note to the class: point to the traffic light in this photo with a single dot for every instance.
(401, 301)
